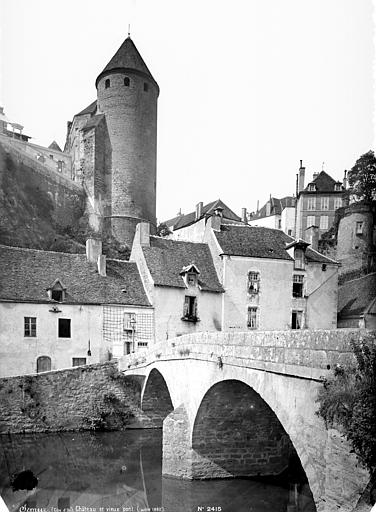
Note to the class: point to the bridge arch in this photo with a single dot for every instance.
(237, 431)
(155, 398)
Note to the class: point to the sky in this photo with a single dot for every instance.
(248, 88)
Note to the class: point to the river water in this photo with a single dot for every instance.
(122, 472)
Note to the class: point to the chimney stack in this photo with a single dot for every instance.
(93, 250)
(301, 177)
(244, 215)
(143, 233)
(345, 179)
(199, 207)
(312, 236)
(101, 263)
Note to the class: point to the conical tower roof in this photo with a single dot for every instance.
(127, 58)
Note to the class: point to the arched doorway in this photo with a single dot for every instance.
(43, 364)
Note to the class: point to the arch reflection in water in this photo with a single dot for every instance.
(87, 470)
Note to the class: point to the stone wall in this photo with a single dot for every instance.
(86, 397)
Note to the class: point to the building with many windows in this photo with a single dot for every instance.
(317, 202)
(59, 310)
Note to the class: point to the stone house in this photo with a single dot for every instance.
(181, 283)
(271, 281)
(60, 310)
(317, 202)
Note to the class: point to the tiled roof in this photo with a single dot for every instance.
(277, 206)
(183, 221)
(25, 274)
(324, 183)
(166, 258)
(355, 296)
(90, 109)
(260, 242)
(127, 57)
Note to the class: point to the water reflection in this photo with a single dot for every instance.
(121, 472)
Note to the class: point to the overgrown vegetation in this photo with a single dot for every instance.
(347, 401)
(362, 178)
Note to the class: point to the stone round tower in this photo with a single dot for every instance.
(127, 94)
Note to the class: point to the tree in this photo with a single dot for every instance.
(163, 230)
(347, 401)
(362, 178)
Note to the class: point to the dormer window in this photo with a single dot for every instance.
(190, 275)
(299, 259)
(312, 187)
(191, 279)
(337, 187)
(57, 291)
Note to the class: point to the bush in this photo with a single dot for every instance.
(347, 401)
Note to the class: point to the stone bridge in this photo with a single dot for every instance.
(243, 404)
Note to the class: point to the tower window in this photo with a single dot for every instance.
(126, 81)
(146, 87)
(107, 83)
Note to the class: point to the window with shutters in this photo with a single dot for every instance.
(253, 282)
(190, 309)
(252, 318)
(129, 322)
(299, 259)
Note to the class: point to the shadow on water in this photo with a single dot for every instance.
(122, 471)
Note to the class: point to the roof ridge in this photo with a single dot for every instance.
(177, 241)
(30, 249)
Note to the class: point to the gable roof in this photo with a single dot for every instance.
(324, 183)
(90, 109)
(127, 58)
(261, 242)
(26, 274)
(55, 146)
(182, 221)
(276, 206)
(166, 258)
(354, 297)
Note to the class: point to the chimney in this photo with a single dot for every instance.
(143, 233)
(244, 215)
(301, 177)
(312, 236)
(199, 207)
(258, 206)
(215, 222)
(93, 250)
(101, 263)
(345, 179)
(1, 110)
(269, 206)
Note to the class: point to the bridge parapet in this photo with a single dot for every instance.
(307, 354)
